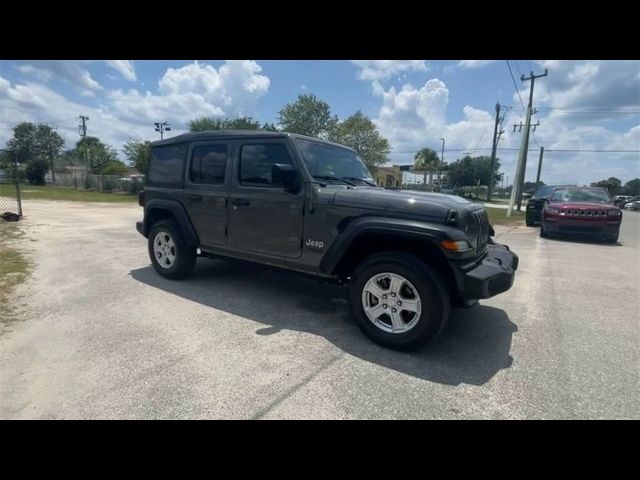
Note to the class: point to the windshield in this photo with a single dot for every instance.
(580, 195)
(543, 192)
(327, 161)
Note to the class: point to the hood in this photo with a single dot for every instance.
(435, 205)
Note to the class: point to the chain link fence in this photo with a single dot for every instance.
(81, 180)
(10, 201)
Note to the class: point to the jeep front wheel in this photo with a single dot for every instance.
(170, 255)
(398, 301)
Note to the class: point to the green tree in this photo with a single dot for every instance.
(138, 153)
(48, 146)
(36, 144)
(95, 154)
(632, 187)
(242, 123)
(428, 160)
(269, 127)
(202, 124)
(361, 134)
(469, 171)
(23, 141)
(113, 167)
(613, 185)
(36, 170)
(307, 116)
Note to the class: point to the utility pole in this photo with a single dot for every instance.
(162, 127)
(494, 148)
(83, 133)
(83, 127)
(516, 192)
(441, 165)
(539, 166)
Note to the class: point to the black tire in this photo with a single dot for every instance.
(529, 222)
(543, 231)
(185, 255)
(433, 292)
(612, 238)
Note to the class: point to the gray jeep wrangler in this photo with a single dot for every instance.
(311, 206)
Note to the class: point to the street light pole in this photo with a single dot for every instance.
(162, 127)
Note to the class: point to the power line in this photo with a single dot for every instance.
(590, 150)
(518, 67)
(515, 85)
(568, 110)
(534, 136)
(482, 136)
(508, 149)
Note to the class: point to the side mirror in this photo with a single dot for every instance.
(285, 175)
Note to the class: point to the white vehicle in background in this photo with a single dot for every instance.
(633, 205)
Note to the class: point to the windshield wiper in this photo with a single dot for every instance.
(334, 178)
(363, 180)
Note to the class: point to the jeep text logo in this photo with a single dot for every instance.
(314, 244)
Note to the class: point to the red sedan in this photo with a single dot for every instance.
(584, 211)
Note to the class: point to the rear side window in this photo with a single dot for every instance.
(208, 164)
(256, 161)
(167, 165)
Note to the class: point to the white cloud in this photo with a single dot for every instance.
(413, 118)
(384, 69)
(183, 94)
(195, 90)
(475, 63)
(125, 67)
(593, 84)
(69, 71)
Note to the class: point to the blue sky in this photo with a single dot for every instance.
(583, 104)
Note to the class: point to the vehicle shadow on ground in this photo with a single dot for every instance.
(474, 346)
(582, 241)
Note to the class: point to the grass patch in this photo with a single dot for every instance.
(498, 216)
(14, 268)
(46, 192)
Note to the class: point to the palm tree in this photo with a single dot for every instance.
(428, 160)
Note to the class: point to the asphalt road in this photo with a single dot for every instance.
(101, 335)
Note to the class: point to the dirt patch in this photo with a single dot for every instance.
(14, 269)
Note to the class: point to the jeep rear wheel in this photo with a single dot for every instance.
(170, 255)
(398, 301)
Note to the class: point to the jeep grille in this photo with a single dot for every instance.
(482, 228)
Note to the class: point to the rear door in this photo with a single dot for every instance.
(263, 217)
(205, 190)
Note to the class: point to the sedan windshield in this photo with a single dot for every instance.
(327, 162)
(580, 195)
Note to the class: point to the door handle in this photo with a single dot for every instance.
(195, 198)
(240, 202)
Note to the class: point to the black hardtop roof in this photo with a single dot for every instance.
(230, 133)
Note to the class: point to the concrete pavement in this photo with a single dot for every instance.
(103, 336)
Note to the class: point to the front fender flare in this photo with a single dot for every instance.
(420, 230)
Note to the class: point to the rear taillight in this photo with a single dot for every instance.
(141, 198)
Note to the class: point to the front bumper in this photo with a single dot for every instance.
(580, 227)
(140, 228)
(494, 274)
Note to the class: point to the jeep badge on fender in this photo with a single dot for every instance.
(407, 256)
(315, 244)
